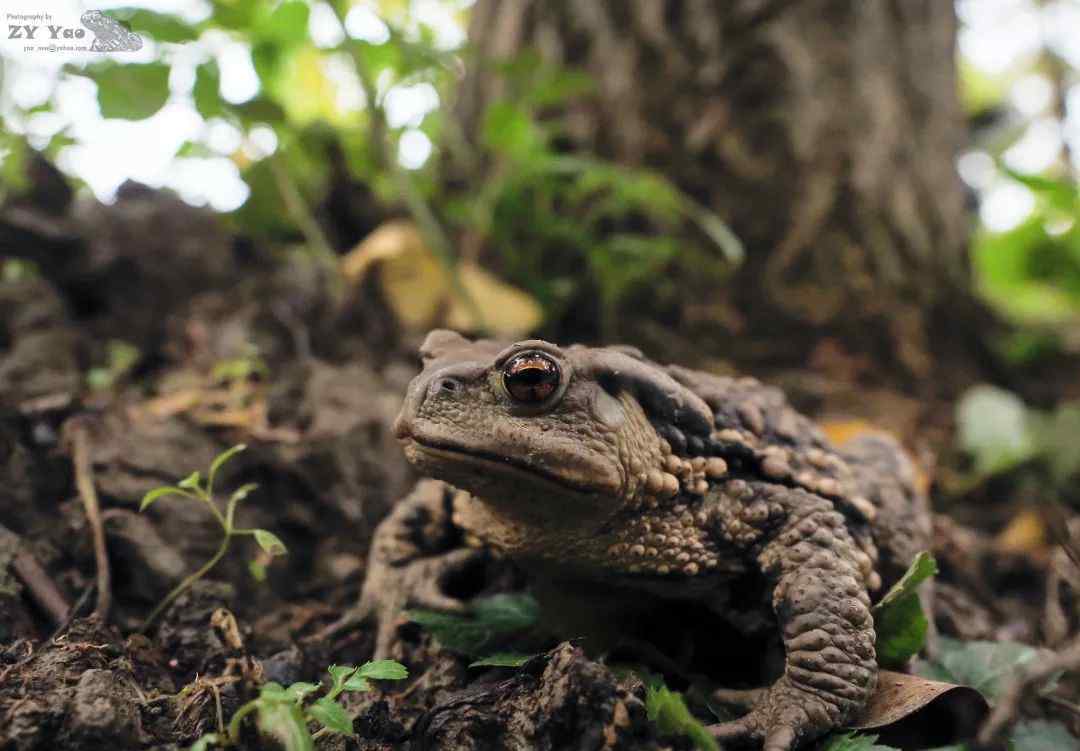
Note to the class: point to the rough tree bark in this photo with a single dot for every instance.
(824, 132)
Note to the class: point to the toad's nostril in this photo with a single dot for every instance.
(449, 385)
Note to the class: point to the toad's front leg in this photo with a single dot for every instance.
(820, 598)
(416, 548)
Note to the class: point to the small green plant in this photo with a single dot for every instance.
(241, 368)
(488, 622)
(122, 358)
(668, 711)
(281, 711)
(899, 621)
(193, 487)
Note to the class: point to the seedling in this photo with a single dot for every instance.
(280, 711)
(193, 487)
(122, 358)
(668, 711)
(488, 621)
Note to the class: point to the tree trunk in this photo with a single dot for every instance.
(823, 132)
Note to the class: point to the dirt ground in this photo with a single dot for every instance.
(227, 342)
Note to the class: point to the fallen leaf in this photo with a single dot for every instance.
(506, 311)
(899, 695)
(412, 279)
(170, 405)
(1026, 533)
(422, 294)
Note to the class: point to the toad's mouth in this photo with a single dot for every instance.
(446, 454)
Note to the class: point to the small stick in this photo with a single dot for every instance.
(73, 613)
(42, 589)
(84, 481)
(1034, 674)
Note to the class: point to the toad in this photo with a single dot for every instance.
(599, 471)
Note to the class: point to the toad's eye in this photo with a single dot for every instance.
(531, 377)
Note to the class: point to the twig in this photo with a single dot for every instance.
(84, 481)
(73, 613)
(33, 651)
(307, 224)
(180, 588)
(41, 587)
(1009, 703)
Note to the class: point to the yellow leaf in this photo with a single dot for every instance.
(419, 290)
(416, 287)
(1026, 533)
(506, 311)
(393, 238)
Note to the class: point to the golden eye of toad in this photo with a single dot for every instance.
(531, 377)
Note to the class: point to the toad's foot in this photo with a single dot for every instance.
(419, 584)
(781, 717)
(413, 555)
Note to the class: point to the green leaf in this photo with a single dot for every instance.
(132, 91)
(163, 27)
(718, 231)
(340, 673)
(257, 570)
(1029, 274)
(901, 632)
(558, 86)
(506, 612)
(994, 427)
(488, 620)
(510, 130)
(383, 670)
(259, 109)
(356, 683)
(273, 691)
(301, 689)
(207, 90)
(270, 542)
(284, 720)
(243, 492)
(287, 24)
(854, 742)
(122, 357)
(219, 462)
(922, 568)
(1043, 735)
(983, 665)
(157, 493)
(191, 482)
(668, 711)
(204, 743)
(1063, 195)
(377, 57)
(332, 715)
(899, 619)
(502, 660)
